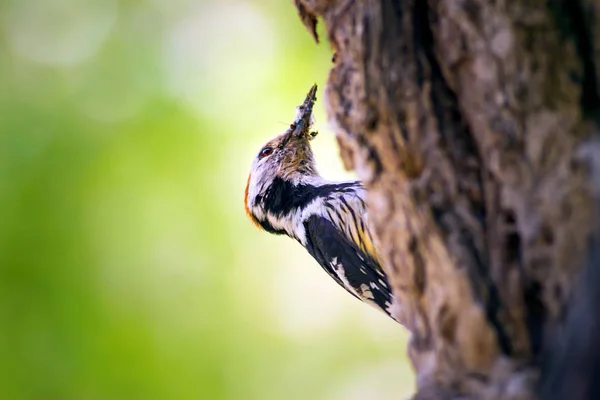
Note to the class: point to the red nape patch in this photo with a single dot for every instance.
(252, 217)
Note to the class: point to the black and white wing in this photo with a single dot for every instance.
(355, 270)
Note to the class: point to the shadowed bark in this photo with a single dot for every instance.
(472, 124)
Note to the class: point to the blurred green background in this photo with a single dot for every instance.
(128, 269)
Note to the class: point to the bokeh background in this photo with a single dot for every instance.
(128, 269)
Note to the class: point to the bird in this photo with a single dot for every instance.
(285, 195)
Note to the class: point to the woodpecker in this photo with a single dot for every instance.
(285, 195)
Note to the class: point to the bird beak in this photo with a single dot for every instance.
(303, 119)
(299, 129)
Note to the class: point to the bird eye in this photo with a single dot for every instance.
(265, 152)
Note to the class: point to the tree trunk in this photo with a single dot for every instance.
(472, 124)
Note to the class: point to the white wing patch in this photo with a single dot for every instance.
(366, 292)
(339, 271)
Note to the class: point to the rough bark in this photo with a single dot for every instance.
(470, 122)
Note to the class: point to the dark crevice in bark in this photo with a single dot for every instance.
(373, 156)
(574, 23)
(512, 251)
(536, 316)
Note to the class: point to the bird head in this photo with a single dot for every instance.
(287, 159)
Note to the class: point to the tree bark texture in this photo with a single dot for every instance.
(472, 124)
